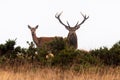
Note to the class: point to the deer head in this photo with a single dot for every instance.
(72, 37)
(33, 29)
(33, 32)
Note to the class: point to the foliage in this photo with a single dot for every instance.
(115, 54)
(7, 47)
(108, 56)
(59, 54)
(64, 57)
(57, 44)
(101, 55)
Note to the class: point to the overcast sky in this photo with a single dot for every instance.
(101, 29)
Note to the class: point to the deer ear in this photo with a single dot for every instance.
(36, 26)
(29, 27)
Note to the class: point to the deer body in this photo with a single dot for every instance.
(72, 37)
(41, 41)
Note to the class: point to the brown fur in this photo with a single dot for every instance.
(41, 41)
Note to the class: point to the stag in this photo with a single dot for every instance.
(72, 37)
(41, 41)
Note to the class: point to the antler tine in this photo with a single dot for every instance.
(87, 17)
(68, 23)
(61, 13)
(58, 15)
(81, 14)
(77, 23)
(84, 16)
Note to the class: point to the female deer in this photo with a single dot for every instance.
(39, 41)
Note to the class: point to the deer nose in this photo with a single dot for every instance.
(33, 33)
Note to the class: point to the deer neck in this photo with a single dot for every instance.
(35, 39)
(72, 39)
(71, 32)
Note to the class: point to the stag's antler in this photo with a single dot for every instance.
(85, 18)
(77, 26)
(58, 17)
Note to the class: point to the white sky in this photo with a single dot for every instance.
(101, 29)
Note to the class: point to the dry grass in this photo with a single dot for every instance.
(28, 73)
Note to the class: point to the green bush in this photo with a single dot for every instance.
(57, 45)
(101, 54)
(114, 54)
(8, 47)
(108, 56)
(63, 55)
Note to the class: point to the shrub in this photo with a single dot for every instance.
(115, 54)
(57, 45)
(101, 55)
(8, 47)
(64, 56)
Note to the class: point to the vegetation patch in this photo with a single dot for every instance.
(59, 54)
